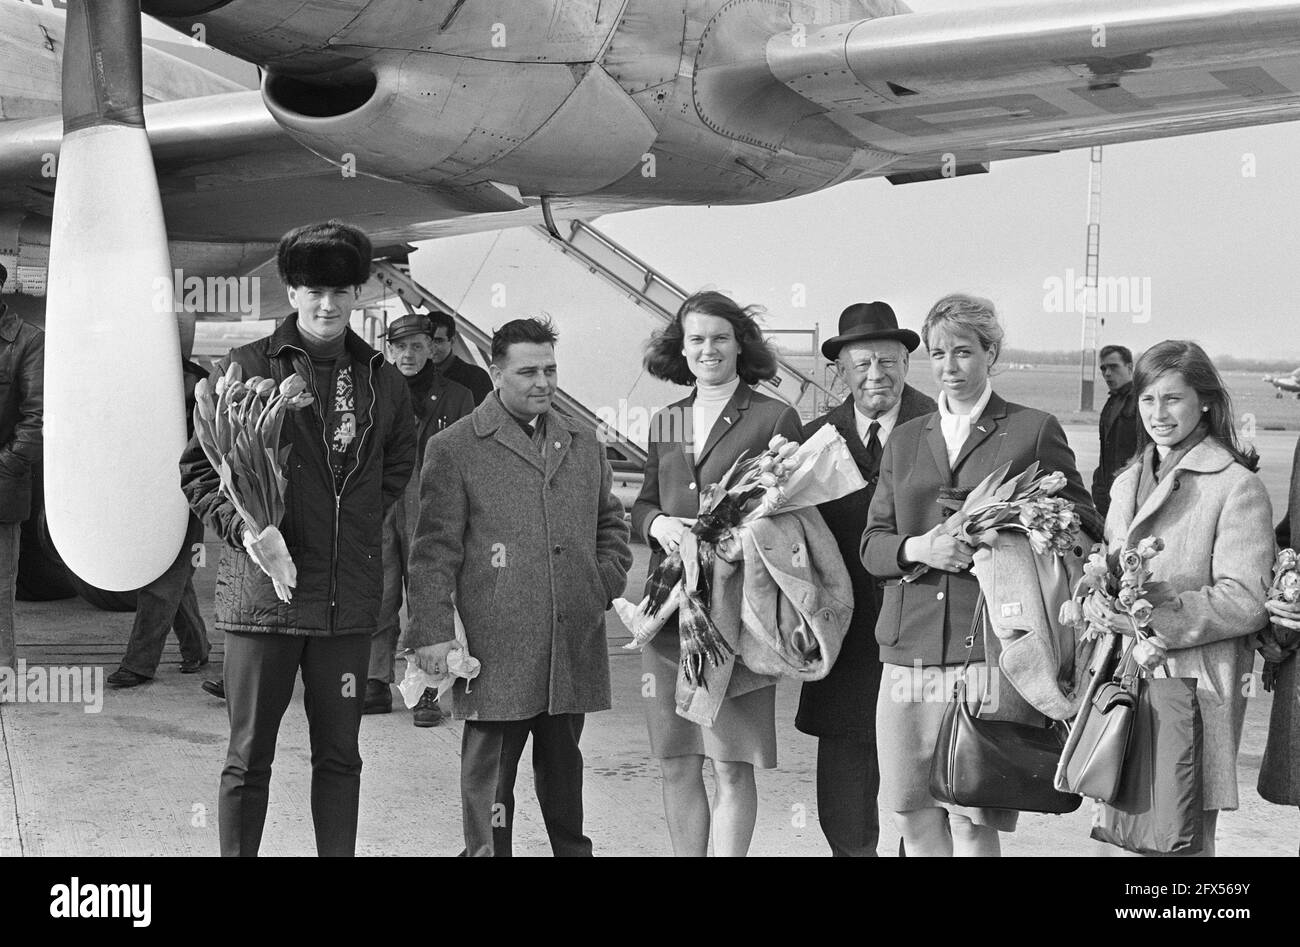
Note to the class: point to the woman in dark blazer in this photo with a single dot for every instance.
(716, 346)
(924, 624)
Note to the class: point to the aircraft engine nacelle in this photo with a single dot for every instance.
(545, 128)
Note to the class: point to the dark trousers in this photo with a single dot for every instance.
(260, 674)
(489, 762)
(10, 540)
(848, 782)
(165, 603)
(383, 643)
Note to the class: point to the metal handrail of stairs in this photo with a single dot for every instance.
(652, 289)
(399, 282)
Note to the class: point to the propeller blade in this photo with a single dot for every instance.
(114, 399)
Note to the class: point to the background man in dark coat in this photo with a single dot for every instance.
(519, 532)
(351, 455)
(169, 602)
(1119, 422)
(453, 366)
(22, 390)
(871, 355)
(438, 403)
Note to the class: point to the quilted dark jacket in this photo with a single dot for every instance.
(334, 538)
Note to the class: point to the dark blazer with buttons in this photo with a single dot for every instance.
(928, 620)
(844, 701)
(673, 478)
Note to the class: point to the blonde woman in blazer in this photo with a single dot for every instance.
(1193, 486)
(923, 625)
(716, 346)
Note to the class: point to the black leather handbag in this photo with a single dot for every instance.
(996, 764)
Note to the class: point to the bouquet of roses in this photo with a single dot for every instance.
(1117, 584)
(785, 477)
(1027, 504)
(238, 426)
(1274, 643)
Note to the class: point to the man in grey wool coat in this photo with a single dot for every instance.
(520, 533)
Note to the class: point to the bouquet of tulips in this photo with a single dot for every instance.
(1274, 643)
(1120, 583)
(1026, 504)
(238, 426)
(785, 477)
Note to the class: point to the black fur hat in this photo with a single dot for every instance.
(330, 254)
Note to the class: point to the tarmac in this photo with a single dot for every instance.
(139, 776)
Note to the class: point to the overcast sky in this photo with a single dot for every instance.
(1217, 248)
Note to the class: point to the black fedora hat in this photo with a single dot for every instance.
(864, 321)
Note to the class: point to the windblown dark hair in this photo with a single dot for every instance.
(4, 277)
(756, 361)
(539, 330)
(331, 254)
(1189, 360)
(444, 319)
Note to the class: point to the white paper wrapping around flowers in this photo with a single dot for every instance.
(821, 470)
(459, 664)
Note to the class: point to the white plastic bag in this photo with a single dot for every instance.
(459, 664)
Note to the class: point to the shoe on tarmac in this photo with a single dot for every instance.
(427, 713)
(124, 678)
(216, 688)
(379, 697)
(193, 667)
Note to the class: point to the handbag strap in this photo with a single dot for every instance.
(976, 625)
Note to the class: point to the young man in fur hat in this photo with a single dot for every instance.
(353, 451)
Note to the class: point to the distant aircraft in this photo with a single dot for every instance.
(416, 120)
(1288, 383)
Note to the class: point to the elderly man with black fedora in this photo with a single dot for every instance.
(438, 402)
(871, 357)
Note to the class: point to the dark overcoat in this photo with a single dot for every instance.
(531, 548)
(22, 395)
(844, 702)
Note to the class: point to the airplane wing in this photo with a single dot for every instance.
(965, 87)
(228, 172)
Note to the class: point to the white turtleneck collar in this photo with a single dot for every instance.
(710, 400)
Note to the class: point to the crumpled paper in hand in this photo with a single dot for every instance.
(459, 664)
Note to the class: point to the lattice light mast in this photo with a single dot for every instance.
(1092, 322)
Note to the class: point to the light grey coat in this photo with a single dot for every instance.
(1216, 520)
(533, 547)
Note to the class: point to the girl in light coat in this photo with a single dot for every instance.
(1192, 485)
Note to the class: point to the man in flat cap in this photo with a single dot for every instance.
(438, 403)
(351, 454)
(871, 357)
